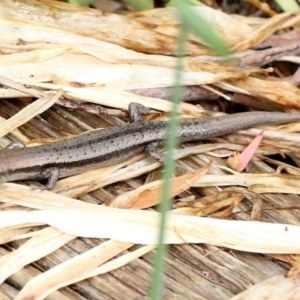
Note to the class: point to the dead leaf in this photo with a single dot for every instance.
(239, 162)
(149, 194)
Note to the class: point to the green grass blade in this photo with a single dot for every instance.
(140, 4)
(201, 27)
(288, 5)
(168, 170)
(81, 2)
(190, 21)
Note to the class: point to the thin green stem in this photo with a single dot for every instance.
(201, 26)
(288, 5)
(156, 285)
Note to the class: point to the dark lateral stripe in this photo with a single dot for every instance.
(115, 157)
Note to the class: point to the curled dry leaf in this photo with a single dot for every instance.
(149, 194)
(234, 160)
(294, 260)
(280, 92)
(207, 205)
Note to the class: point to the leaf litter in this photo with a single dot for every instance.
(101, 58)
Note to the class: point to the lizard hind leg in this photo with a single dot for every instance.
(152, 151)
(52, 174)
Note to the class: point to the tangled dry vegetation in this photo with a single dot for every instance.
(66, 56)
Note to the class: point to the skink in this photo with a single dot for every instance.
(106, 147)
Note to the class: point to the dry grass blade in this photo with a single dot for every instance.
(28, 113)
(45, 242)
(13, 234)
(105, 58)
(259, 183)
(41, 286)
(103, 70)
(272, 25)
(141, 226)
